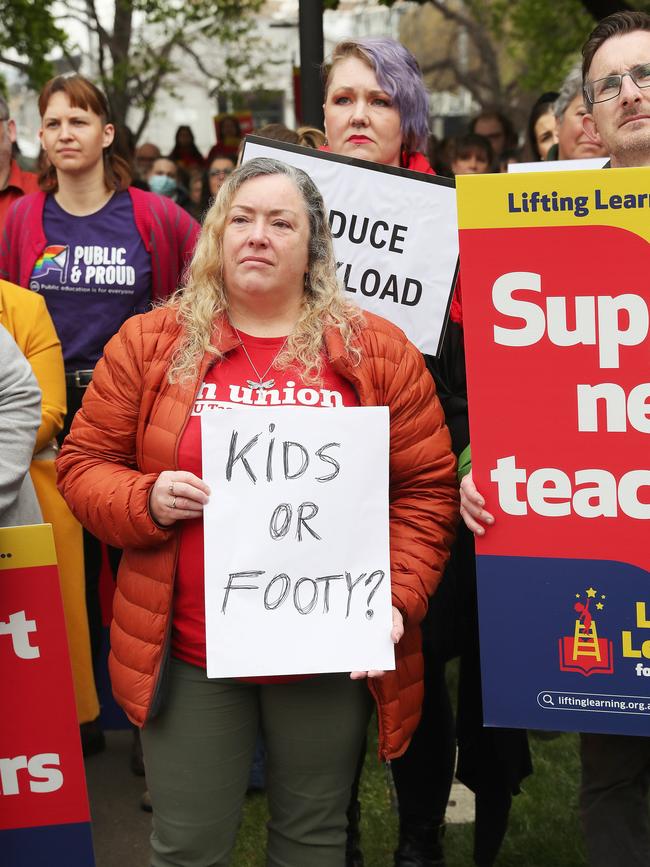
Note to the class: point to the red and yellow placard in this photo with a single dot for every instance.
(555, 272)
(44, 815)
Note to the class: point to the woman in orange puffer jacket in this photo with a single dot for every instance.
(262, 293)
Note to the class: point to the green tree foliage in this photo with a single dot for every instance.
(596, 8)
(543, 39)
(139, 48)
(27, 37)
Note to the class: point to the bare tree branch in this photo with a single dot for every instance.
(133, 64)
(77, 9)
(17, 64)
(197, 59)
(451, 14)
(94, 17)
(149, 91)
(73, 17)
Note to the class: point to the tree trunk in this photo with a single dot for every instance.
(120, 46)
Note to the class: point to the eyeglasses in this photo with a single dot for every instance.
(609, 87)
(215, 173)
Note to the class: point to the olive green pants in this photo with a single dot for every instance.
(198, 755)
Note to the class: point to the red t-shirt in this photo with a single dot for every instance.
(225, 386)
(19, 183)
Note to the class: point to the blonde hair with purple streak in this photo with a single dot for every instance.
(399, 75)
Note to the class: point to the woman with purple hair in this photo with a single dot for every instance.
(377, 109)
(376, 105)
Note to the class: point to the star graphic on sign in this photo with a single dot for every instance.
(591, 593)
(599, 606)
(602, 596)
(577, 596)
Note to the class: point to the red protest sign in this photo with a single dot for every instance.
(44, 815)
(557, 329)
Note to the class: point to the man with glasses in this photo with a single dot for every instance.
(616, 75)
(616, 768)
(14, 182)
(219, 168)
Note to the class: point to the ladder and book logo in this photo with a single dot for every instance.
(584, 652)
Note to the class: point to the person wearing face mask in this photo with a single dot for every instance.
(97, 250)
(165, 181)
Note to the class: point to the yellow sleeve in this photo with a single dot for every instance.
(43, 351)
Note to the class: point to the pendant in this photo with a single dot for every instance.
(261, 386)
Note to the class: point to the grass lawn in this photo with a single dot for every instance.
(544, 829)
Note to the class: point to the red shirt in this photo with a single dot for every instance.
(226, 386)
(19, 183)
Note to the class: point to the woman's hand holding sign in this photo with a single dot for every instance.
(395, 634)
(177, 496)
(471, 507)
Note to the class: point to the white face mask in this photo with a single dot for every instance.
(162, 184)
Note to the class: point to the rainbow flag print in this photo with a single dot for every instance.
(53, 258)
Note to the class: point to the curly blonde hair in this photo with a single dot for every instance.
(204, 299)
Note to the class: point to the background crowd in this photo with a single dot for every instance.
(192, 179)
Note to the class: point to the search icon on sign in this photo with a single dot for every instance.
(548, 699)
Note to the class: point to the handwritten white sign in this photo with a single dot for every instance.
(394, 231)
(297, 563)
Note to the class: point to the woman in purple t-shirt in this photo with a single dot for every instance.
(96, 249)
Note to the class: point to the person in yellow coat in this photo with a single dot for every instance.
(24, 314)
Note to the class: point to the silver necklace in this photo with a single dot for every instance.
(260, 384)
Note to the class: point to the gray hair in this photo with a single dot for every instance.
(204, 299)
(571, 87)
(320, 239)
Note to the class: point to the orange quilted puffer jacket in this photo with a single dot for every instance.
(128, 431)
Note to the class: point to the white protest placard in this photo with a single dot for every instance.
(558, 165)
(297, 561)
(395, 235)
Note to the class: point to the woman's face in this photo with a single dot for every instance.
(545, 131)
(219, 170)
(265, 242)
(491, 127)
(74, 138)
(572, 139)
(229, 128)
(183, 137)
(360, 118)
(473, 163)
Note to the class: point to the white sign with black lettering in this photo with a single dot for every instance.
(395, 235)
(558, 165)
(297, 563)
